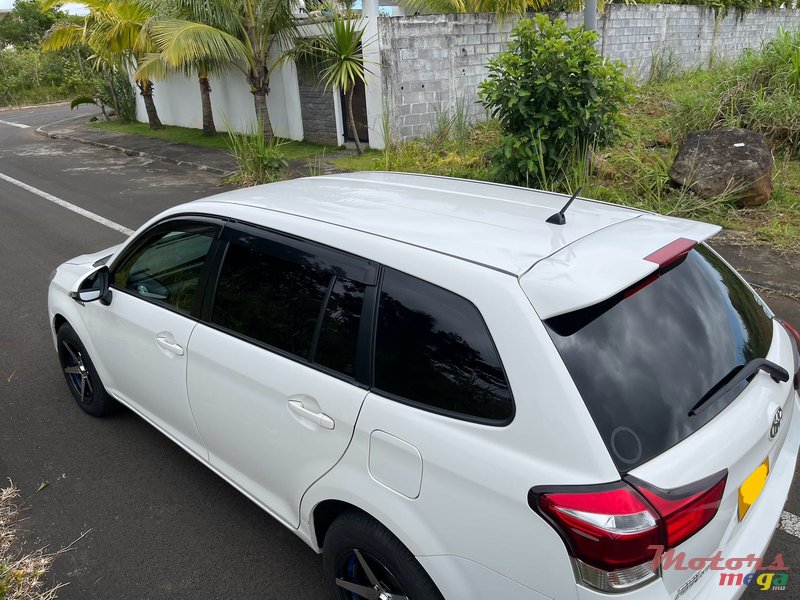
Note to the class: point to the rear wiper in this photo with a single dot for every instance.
(740, 378)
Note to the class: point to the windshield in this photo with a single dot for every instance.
(642, 359)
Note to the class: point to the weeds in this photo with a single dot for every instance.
(760, 92)
(21, 576)
(451, 124)
(258, 160)
(664, 65)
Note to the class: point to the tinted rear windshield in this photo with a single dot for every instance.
(642, 359)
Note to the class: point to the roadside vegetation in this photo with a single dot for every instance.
(27, 76)
(22, 575)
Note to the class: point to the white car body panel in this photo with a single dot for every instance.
(453, 491)
(597, 267)
(502, 227)
(239, 396)
(157, 376)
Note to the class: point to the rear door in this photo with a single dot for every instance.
(276, 370)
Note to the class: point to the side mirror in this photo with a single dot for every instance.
(93, 286)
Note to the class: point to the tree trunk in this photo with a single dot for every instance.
(259, 86)
(263, 114)
(146, 89)
(113, 89)
(351, 121)
(205, 97)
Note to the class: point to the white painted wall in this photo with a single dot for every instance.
(177, 100)
(373, 77)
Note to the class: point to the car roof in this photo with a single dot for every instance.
(498, 226)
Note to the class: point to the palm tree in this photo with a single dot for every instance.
(337, 54)
(154, 67)
(114, 31)
(237, 31)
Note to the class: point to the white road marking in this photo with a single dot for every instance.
(68, 205)
(790, 524)
(20, 125)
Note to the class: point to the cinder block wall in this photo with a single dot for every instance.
(319, 114)
(432, 62)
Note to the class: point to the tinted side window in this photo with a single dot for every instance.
(166, 267)
(433, 348)
(338, 336)
(290, 299)
(273, 299)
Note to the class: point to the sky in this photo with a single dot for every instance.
(75, 9)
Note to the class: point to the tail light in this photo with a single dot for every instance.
(793, 332)
(609, 529)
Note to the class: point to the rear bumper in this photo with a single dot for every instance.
(458, 577)
(763, 518)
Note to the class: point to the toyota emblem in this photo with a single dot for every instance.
(776, 423)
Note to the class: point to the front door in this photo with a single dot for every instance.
(146, 327)
(274, 377)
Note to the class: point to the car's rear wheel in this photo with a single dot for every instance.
(82, 378)
(364, 561)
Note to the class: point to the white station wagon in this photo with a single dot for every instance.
(452, 389)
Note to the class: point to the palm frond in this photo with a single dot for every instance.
(225, 15)
(182, 42)
(62, 36)
(336, 54)
(151, 66)
(80, 100)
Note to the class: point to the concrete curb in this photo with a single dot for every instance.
(130, 152)
(28, 106)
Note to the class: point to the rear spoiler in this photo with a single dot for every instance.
(604, 263)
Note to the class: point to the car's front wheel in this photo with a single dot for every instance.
(364, 561)
(82, 378)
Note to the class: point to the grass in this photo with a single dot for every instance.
(292, 150)
(21, 576)
(634, 172)
(464, 155)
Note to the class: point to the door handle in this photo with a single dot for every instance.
(318, 418)
(167, 345)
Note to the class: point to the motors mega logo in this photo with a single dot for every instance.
(773, 576)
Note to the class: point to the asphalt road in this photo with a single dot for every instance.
(160, 525)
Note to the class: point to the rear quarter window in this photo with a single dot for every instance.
(433, 350)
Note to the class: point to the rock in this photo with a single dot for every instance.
(721, 161)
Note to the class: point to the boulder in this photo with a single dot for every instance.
(721, 161)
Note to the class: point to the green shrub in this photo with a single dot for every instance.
(555, 97)
(30, 76)
(760, 92)
(257, 160)
(116, 90)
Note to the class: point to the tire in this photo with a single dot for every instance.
(80, 374)
(355, 538)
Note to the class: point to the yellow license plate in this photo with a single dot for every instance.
(750, 490)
